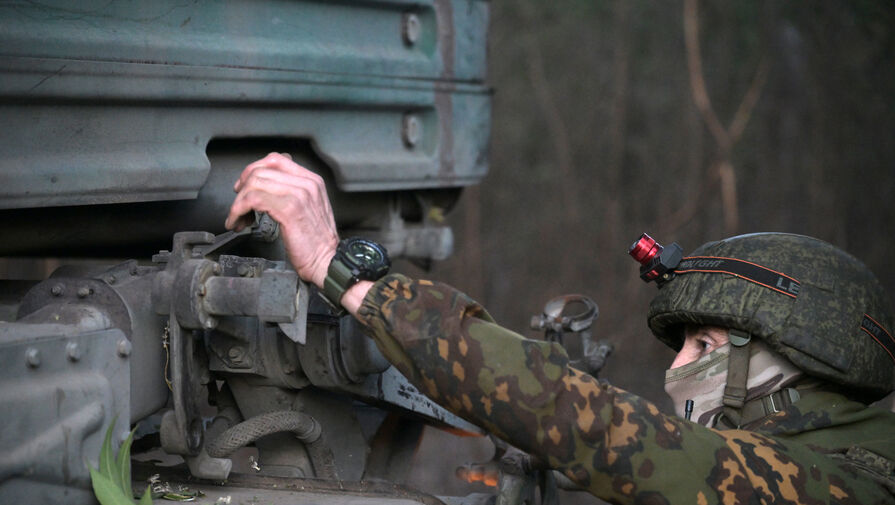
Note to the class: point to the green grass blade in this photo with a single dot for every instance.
(106, 491)
(147, 497)
(123, 463)
(107, 457)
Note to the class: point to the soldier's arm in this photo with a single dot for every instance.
(615, 444)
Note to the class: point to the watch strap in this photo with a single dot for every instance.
(339, 277)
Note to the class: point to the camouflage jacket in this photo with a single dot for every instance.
(614, 443)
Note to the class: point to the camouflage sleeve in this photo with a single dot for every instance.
(615, 444)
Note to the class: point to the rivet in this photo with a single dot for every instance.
(57, 290)
(244, 270)
(411, 130)
(73, 351)
(124, 348)
(83, 292)
(32, 357)
(411, 28)
(235, 353)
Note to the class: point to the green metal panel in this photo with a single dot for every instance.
(113, 102)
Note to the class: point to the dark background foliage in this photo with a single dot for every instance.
(596, 138)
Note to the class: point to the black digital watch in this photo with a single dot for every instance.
(356, 259)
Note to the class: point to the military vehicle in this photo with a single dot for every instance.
(125, 125)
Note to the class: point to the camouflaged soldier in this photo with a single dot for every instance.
(783, 340)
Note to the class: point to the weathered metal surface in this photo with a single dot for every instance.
(127, 122)
(354, 38)
(116, 102)
(173, 290)
(61, 385)
(246, 488)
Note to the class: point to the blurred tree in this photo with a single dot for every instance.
(596, 138)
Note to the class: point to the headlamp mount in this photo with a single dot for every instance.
(657, 263)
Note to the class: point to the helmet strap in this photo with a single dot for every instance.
(737, 377)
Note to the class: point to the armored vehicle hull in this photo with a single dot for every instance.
(126, 124)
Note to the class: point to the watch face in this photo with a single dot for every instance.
(364, 253)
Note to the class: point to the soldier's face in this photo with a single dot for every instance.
(699, 341)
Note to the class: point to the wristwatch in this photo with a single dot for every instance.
(356, 259)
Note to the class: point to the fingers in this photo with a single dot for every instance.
(275, 161)
(276, 175)
(284, 197)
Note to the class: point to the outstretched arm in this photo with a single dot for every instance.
(611, 442)
(615, 444)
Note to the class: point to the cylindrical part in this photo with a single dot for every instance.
(303, 426)
(232, 296)
(644, 249)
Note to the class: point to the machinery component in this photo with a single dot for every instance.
(57, 409)
(176, 293)
(575, 314)
(303, 426)
(129, 143)
(554, 320)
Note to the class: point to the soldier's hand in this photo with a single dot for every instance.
(295, 198)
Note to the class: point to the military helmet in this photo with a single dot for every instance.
(815, 304)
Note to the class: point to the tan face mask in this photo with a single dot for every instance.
(703, 380)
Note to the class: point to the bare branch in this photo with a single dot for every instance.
(729, 196)
(697, 82)
(750, 99)
(726, 138)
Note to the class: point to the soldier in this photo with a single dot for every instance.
(782, 339)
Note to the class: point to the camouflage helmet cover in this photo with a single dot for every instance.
(813, 303)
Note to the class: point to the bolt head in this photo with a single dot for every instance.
(32, 357)
(217, 269)
(234, 352)
(83, 292)
(124, 348)
(412, 130)
(244, 270)
(211, 323)
(411, 28)
(73, 351)
(57, 290)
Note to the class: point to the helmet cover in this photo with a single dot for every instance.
(813, 303)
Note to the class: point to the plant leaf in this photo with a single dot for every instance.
(123, 464)
(147, 497)
(106, 491)
(107, 457)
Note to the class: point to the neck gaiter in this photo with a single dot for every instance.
(703, 380)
